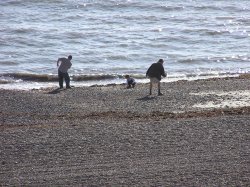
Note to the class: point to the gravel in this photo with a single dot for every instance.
(112, 136)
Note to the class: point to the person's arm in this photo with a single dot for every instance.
(163, 73)
(70, 64)
(148, 71)
(133, 80)
(59, 59)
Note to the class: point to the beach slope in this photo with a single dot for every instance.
(196, 134)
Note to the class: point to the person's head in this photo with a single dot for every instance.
(126, 76)
(161, 61)
(70, 57)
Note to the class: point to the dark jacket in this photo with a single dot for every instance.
(156, 70)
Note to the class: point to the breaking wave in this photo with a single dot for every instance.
(8, 77)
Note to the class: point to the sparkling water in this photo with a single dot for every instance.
(111, 38)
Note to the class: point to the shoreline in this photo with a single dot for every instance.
(28, 84)
(112, 136)
(210, 102)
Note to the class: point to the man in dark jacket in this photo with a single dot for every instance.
(154, 72)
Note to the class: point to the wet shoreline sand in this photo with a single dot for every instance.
(196, 134)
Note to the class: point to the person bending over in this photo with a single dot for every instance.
(64, 64)
(155, 72)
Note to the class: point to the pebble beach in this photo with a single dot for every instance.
(196, 134)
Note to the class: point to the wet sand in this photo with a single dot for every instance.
(196, 134)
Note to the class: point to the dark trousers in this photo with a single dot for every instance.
(62, 76)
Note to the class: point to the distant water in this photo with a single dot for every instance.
(111, 38)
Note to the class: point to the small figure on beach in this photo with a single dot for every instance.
(154, 72)
(130, 81)
(64, 64)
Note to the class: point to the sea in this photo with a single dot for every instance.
(198, 39)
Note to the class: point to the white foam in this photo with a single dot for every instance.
(29, 85)
(232, 99)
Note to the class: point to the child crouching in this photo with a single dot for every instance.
(130, 81)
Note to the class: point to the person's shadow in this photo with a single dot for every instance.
(55, 91)
(147, 98)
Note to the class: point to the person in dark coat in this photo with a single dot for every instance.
(64, 64)
(155, 72)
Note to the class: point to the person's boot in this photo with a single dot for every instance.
(159, 93)
(61, 86)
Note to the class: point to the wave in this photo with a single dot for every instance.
(5, 81)
(53, 78)
(129, 5)
(118, 57)
(223, 7)
(210, 32)
(8, 63)
(215, 59)
(191, 61)
(30, 77)
(225, 17)
(94, 77)
(27, 30)
(208, 7)
(216, 32)
(21, 2)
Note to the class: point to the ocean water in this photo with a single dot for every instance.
(111, 38)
